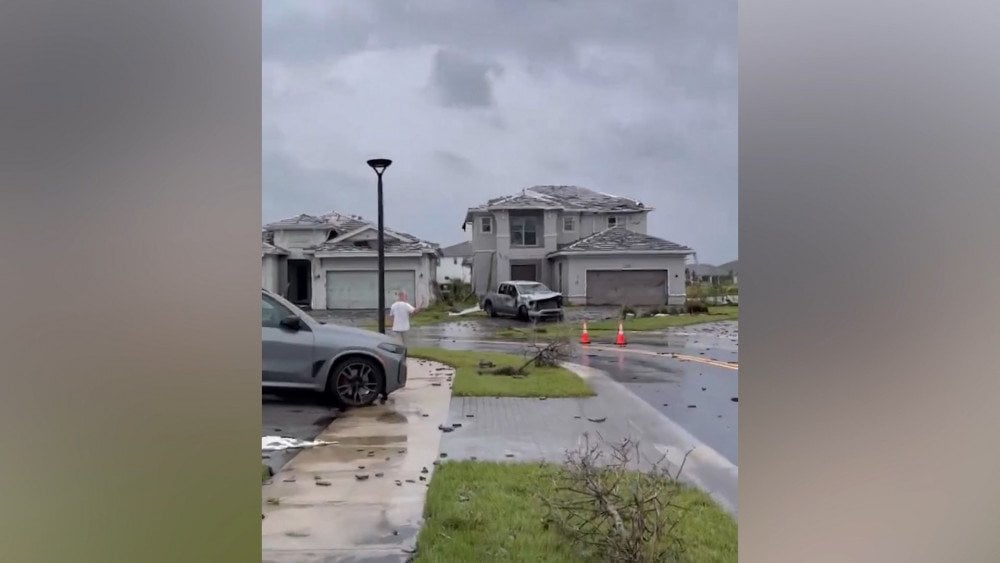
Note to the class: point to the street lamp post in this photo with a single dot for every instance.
(379, 165)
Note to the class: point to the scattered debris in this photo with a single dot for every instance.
(444, 428)
(470, 416)
(704, 388)
(486, 364)
(410, 481)
(692, 406)
(280, 443)
(443, 455)
(322, 483)
(361, 477)
(274, 500)
(289, 480)
(380, 474)
(508, 455)
(735, 399)
(422, 478)
(294, 534)
(435, 384)
(456, 425)
(602, 419)
(425, 471)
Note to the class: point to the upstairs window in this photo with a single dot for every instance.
(613, 221)
(569, 223)
(523, 231)
(486, 225)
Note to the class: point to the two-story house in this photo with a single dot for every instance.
(331, 262)
(590, 246)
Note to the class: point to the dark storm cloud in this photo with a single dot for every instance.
(637, 99)
(460, 81)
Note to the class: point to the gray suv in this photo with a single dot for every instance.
(353, 367)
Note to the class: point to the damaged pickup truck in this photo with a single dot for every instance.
(525, 299)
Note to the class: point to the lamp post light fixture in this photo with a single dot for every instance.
(379, 165)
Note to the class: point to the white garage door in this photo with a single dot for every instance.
(359, 290)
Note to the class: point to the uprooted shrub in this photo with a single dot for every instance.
(695, 307)
(609, 508)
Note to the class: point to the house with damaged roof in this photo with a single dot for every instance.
(331, 262)
(590, 246)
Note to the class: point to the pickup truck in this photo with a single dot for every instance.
(525, 299)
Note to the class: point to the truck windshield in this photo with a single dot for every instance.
(530, 288)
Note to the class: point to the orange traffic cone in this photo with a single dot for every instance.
(620, 341)
(584, 337)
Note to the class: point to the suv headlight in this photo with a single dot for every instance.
(394, 348)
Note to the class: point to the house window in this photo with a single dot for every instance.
(569, 224)
(612, 221)
(486, 225)
(523, 231)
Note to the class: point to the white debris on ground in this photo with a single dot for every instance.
(278, 443)
(465, 312)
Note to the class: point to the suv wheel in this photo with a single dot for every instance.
(356, 382)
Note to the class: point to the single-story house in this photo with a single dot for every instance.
(456, 263)
(331, 262)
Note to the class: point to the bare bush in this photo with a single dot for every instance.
(605, 505)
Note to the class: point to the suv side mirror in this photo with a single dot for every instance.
(292, 323)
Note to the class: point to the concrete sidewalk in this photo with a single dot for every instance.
(511, 429)
(324, 512)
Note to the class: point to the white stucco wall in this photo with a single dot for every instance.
(423, 266)
(269, 273)
(574, 283)
(451, 268)
(295, 240)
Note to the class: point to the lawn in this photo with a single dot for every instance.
(435, 314)
(605, 330)
(481, 511)
(540, 382)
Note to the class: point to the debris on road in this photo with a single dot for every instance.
(602, 419)
(280, 443)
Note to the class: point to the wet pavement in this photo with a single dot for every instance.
(695, 394)
(529, 430)
(362, 498)
(293, 415)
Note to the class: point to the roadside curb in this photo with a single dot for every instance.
(705, 468)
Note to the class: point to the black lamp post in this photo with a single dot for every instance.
(379, 165)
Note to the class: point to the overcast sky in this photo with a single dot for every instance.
(476, 99)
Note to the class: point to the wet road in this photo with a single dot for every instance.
(299, 415)
(696, 395)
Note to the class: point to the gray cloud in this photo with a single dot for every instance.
(460, 81)
(639, 101)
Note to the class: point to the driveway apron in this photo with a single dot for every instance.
(362, 498)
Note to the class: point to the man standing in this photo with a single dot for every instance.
(400, 314)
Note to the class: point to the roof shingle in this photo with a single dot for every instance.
(571, 198)
(620, 238)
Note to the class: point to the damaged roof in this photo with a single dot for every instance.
(619, 239)
(332, 220)
(342, 225)
(569, 198)
(392, 246)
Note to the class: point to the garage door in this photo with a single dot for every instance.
(626, 287)
(359, 290)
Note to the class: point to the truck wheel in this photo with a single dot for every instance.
(522, 313)
(489, 309)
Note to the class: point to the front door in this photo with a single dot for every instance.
(286, 355)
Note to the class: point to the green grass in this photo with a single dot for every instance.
(540, 382)
(480, 511)
(435, 314)
(606, 330)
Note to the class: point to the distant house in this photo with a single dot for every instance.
(732, 269)
(590, 246)
(456, 263)
(331, 262)
(715, 275)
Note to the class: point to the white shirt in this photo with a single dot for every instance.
(400, 312)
